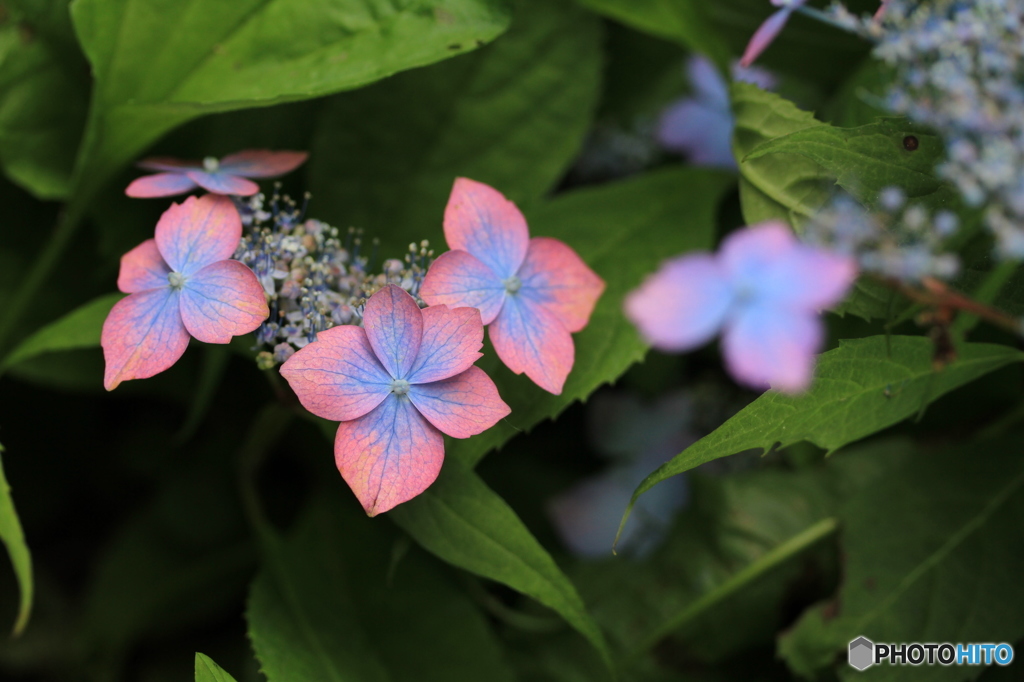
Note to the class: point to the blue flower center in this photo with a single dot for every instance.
(211, 164)
(513, 284)
(399, 386)
(176, 280)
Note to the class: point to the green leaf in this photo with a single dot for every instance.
(43, 102)
(859, 389)
(14, 540)
(158, 64)
(345, 599)
(78, 329)
(685, 21)
(866, 159)
(787, 187)
(512, 115)
(467, 524)
(612, 227)
(926, 547)
(208, 671)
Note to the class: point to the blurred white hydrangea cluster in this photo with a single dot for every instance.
(899, 240)
(315, 278)
(960, 68)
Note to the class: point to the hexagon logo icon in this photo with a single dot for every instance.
(861, 654)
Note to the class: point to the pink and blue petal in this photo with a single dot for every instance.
(809, 278)
(159, 185)
(451, 342)
(765, 34)
(219, 182)
(394, 326)
(222, 300)
(480, 220)
(683, 305)
(338, 377)
(262, 163)
(772, 347)
(167, 163)
(197, 232)
(388, 456)
(462, 406)
(530, 339)
(143, 335)
(142, 268)
(457, 278)
(554, 276)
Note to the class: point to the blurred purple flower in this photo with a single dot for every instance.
(700, 126)
(763, 291)
(638, 438)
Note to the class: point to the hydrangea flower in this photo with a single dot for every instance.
(532, 292)
(700, 126)
(226, 176)
(636, 438)
(396, 384)
(181, 284)
(763, 291)
(769, 30)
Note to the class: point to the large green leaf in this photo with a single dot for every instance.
(159, 63)
(932, 555)
(14, 540)
(866, 159)
(623, 231)
(43, 98)
(684, 21)
(468, 525)
(208, 671)
(512, 115)
(344, 599)
(78, 329)
(859, 388)
(786, 187)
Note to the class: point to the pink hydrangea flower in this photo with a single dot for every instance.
(763, 290)
(226, 176)
(769, 30)
(396, 384)
(532, 292)
(181, 284)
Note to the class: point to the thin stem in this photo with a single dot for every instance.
(824, 18)
(268, 427)
(774, 557)
(986, 293)
(935, 294)
(67, 225)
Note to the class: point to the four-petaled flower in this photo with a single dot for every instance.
(395, 385)
(764, 289)
(769, 30)
(226, 176)
(532, 292)
(181, 284)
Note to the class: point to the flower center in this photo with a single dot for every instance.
(513, 284)
(176, 280)
(399, 386)
(210, 164)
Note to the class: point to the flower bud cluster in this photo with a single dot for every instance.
(898, 240)
(959, 67)
(314, 276)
